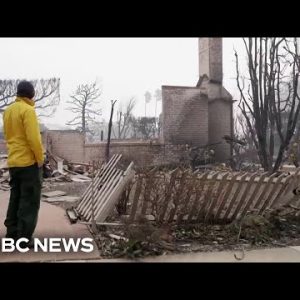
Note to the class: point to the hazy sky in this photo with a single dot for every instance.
(124, 67)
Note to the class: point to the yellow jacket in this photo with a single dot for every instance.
(22, 134)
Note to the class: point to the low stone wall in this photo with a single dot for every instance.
(141, 153)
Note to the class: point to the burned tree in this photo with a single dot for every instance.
(144, 127)
(83, 106)
(271, 92)
(47, 96)
(113, 102)
(242, 144)
(124, 120)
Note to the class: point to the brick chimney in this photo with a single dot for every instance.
(210, 58)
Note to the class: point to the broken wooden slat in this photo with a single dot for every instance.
(111, 200)
(273, 192)
(61, 199)
(72, 215)
(105, 173)
(54, 194)
(283, 191)
(244, 195)
(264, 191)
(168, 194)
(187, 198)
(136, 199)
(215, 201)
(286, 194)
(178, 195)
(207, 197)
(115, 195)
(100, 176)
(101, 188)
(199, 189)
(235, 196)
(252, 196)
(225, 198)
(102, 194)
(148, 189)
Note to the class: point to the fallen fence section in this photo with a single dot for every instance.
(104, 191)
(182, 196)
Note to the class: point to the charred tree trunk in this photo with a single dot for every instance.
(109, 130)
(273, 67)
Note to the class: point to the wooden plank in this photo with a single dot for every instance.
(101, 175)
(148, 189)
(168, 194)
(185, 202)
(178, 195)
(199, 189)
(244, 195)
(207, 197)
(273, 191)
(54, 194)
(72, 215)
(79, 163)
(281, 192)
(252, 196)
(107, 201)
(97, 192)
(286, 195)
(136, 199)
(264, 191)
(101, 196)
(72, 199)
(100, 185)
(235, 196)
(215, 201)
(229, 188)
(114, 196)
(87, 192)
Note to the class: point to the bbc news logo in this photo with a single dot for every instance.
(50, 245)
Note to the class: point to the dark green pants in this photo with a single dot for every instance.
(24, 202)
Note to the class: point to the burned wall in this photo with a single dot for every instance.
(185, 116)
(68, 144)
(141, 153)
(220, 124)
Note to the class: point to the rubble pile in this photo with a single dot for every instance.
(55, 169)
(59, 170)
(253, 232)
(4, 174)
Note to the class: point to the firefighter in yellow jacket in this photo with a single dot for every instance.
(25, 161)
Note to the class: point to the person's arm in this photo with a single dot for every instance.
(33, 135)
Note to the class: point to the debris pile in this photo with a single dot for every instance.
(59, 170)
(148, 239)
(4, 174)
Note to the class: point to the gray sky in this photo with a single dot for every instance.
(124, 67)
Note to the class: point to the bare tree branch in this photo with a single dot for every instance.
(47, 94)
(85, 98)
(273, 67)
